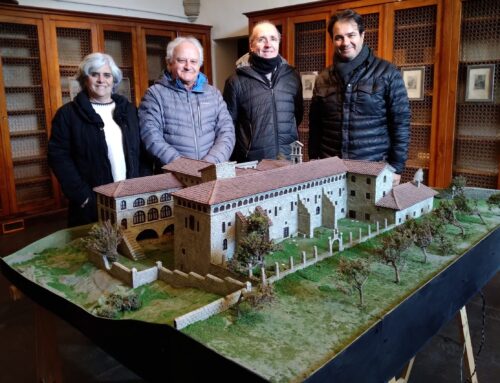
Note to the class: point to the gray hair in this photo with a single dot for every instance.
(252, 35)
(93, 62)
(178, 41)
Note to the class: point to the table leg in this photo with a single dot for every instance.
(48, 362)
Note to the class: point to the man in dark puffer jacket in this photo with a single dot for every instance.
(360, 108)
(264, 98)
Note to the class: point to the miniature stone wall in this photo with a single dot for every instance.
(209, 283)
(134, 278)
(207, 311)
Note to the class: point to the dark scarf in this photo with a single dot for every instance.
(346, 68)
(262, 65)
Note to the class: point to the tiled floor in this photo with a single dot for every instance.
(438, 362)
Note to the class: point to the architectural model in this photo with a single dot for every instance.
(210, 202)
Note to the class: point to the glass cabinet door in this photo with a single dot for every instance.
(156, 50)
(413, 52)
(308, 53)
(27, 182)
(73, 44)
(477, 129)
(120, 44)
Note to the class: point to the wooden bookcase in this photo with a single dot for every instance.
(449, 135)
(40, 50)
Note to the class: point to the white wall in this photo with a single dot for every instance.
(225, 16)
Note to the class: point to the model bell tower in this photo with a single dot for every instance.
(296, 152)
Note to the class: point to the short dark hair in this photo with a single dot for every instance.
(346, 15)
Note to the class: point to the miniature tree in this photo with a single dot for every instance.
(393, 247)
(493, 200)
(459, 198)
(438, 230)
(463, 206)
(457, 186)
(422, 234)
(254, 299)
(104, 239)
(354, 272)
(255, 243)
(447, 212)
(261, 295)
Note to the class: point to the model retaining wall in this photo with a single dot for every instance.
(209, 310)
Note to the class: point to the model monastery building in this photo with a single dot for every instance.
(207, 203)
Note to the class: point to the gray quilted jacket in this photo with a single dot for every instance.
(175, 122)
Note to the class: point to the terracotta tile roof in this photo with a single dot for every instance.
(222, 190)
(245, 171)
(272, 164)
(141, 185)
(368, 168)
(187, 166)
(406, 195)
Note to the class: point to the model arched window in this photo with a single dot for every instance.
(152, 214)
(124, 223)
(152, 199)
(165, 197)
(139, 202)
(224, 244)
(165, 212)
(139, 217)
(123, 205)
(317, 210)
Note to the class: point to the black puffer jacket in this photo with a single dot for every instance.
(78, 153)
(367, 119)
(265, 116)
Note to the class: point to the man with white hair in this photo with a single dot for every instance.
(181, 114)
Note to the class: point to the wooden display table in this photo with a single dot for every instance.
(158, 352)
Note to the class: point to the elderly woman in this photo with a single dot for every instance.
(95, 138)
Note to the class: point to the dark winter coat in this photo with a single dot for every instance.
(266, 115)
(367, 119)
(78, 153)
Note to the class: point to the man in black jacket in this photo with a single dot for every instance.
(264, 98)
(360, 108)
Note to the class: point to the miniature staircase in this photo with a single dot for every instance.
(130, 248)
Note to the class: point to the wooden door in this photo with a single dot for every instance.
(27, 185)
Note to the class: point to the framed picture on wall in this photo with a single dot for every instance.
(308, 80)
(414, 82)
(479, 85)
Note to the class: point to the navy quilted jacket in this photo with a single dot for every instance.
(367, 119)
